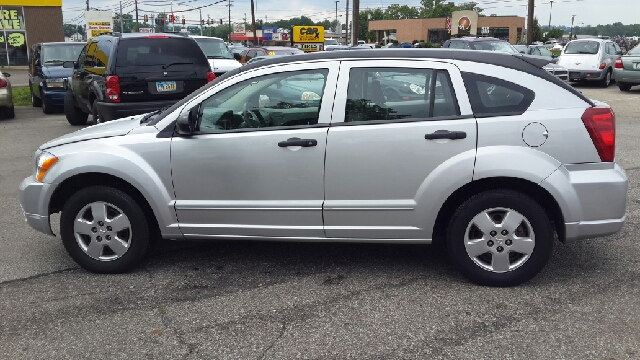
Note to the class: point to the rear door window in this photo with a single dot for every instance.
(490, 96)
(154, 52)
(395, 94)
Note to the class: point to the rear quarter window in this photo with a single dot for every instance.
(491, 96)
(159, 51)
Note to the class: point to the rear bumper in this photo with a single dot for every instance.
(575, 75)
(113, 111)
(592, 197)
(627, 76)
(6, 99)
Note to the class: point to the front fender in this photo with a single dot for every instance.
(152, 180)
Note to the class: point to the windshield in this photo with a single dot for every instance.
(331, 42)
(214, 49)
(582, 47)
(544, 51)
(60, 53)
(499, 46)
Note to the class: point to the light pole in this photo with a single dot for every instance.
(199, 9)
(336, 1)
(573, 17)
(550, 2)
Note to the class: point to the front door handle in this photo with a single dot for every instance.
(446, 134)
(298, 142)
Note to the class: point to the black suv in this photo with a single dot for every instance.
(118, 75)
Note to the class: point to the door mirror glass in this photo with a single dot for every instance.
(237, 56)
(68, 64)
(6, 74)
(187, 122)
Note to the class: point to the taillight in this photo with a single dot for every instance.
(113, 89)
(603, 65)
(619, 64)
(601, 125)
(3, 83)
(210, 76)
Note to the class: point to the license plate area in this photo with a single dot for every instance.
(166, 86)
(636, 65)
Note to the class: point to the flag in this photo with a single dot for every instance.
(448, 24)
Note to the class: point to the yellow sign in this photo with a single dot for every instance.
(308, 34)
(95, 33)
(33, 3)
(15, 39)
(9, 20)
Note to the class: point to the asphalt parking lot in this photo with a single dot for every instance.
(254, 300)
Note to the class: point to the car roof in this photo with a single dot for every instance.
(476, 39)
(59, 43)
(205, 37)
(591, 39)
(143, 35)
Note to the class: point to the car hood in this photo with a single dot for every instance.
(112, 128)
(223, 65)
(56, 71)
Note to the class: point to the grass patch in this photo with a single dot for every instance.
(556, 52)
(21, 95)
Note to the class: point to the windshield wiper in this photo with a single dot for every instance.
(218, 57)
(176, 63)
(148, 117)
(56, 60)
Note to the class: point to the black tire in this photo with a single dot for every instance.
(624, 87)
(509, 199)
(35, 101)
(75, 116)
(8, 113)
(606, 81)
(95, 114)
(47, 108)
(140, 239)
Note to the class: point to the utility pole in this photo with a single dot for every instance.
(573, 17)
(550, 2)
(137, 25)
(253, 24)
(229, 5)
(87, 5)
(245, 18)
(336, 1)
(200, 21)
(121, 19)
(355, 22)
(346, 32)
(530, 24)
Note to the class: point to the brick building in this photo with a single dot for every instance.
(26, 22)
(463, 23)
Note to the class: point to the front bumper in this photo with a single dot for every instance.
(592, 197)
(113, 111)
(577, 75)
(34, 200)
(54, 97)
(627, 76)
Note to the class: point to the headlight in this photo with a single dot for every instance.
(417, 89)
(54, 82)
(44, 162)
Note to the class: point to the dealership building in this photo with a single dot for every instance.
(462, 23)
(27, 22)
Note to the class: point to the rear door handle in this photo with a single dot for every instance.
(446, 134)
(298, 142)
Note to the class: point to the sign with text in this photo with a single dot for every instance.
(310, 47)
(11, 19)
(308, 34)
(98, 22)
(238, 29)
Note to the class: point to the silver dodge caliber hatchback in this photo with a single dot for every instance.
(486, 153)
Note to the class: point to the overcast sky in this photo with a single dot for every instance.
(588, 12)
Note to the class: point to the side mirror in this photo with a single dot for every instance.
(188, 120)
(522, 52)
(237, 56)
(6, 74)
(68, 64)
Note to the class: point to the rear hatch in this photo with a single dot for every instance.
(159, 68)
(581, 55)
(631, 61)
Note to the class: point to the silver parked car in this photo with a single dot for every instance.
(480, 158)
(6, 97)
(627, 69)
(590, 60)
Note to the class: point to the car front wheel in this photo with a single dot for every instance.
(500, 238)
(624, 87)
(74, 115)
(104, 230)
(607, 79)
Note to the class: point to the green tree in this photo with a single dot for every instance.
(363, 27)
(395, 11)
(554, 34)
(442, 8)
(537, 31)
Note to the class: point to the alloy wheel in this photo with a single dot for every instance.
(102, 231)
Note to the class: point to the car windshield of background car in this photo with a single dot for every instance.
(57, 54)
(500, 46)
(214, 49)
(331, 42)
(582, 47)
(544, 51)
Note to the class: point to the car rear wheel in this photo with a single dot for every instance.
(104, 230)
(47, 108)
(8, 113)
(74, 115)
(607, 79)
(624, 87)
(35, 101)
(500, 238)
